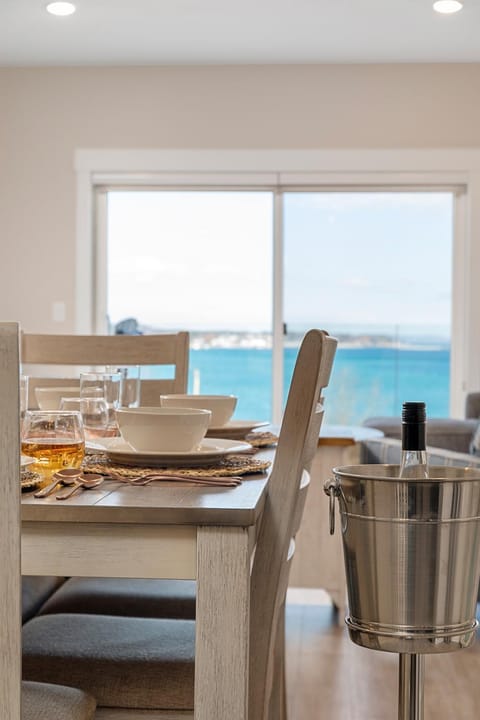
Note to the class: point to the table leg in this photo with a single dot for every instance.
(222, 624)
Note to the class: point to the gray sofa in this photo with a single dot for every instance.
(446, 433)
(388, 450)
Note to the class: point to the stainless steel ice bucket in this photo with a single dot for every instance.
(412, 556)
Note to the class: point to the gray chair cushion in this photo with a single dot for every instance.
(41, 701)
(35, 590)
(119, 596)
(123, 662)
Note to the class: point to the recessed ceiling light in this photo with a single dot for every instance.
(61, 8)
(447, 6)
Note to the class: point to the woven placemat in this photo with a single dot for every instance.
(30, 480)
(233, 465)
(261, 439)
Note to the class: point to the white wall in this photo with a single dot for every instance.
(46, 114)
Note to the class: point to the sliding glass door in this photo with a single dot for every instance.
(374, 269)
(198, 261)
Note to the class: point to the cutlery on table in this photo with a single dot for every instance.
(83, 482)
(66, 476)
(76, 480)
(213, 480)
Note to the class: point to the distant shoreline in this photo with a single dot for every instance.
(233, 340)
(264, 342)
(401, 347)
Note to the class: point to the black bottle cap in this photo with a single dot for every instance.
(414, 412)
(413, 425)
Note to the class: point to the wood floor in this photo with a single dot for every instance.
(328, 677)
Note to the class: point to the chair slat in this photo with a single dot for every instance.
(77, 351)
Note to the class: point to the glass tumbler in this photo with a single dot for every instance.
(130, 386)
(107, 386)
(94, 412)
(55, 439)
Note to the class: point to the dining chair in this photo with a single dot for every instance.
(139, 667)
(147, 598)
(25, 700)
(73, 352)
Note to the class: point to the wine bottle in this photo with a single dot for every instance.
(414, 455)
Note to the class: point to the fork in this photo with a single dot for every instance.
(213, 481)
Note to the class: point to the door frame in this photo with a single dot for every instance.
(456, 170)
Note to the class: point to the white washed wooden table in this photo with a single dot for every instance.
(165, 531)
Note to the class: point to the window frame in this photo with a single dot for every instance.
(457, 171)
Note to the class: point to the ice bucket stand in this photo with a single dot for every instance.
(412, 563)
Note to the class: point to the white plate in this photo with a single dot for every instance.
(209, 450)
(25, 461)
(236, 428)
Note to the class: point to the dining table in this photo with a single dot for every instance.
(165, 530)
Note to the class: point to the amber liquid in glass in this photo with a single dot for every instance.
(53, 454)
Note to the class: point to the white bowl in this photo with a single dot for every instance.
(221, 406)
(158, 429)
(49, 398)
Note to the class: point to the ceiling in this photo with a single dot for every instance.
(151, 32)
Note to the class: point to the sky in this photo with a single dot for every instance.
(369, 259)
(196, 260)
(203, 260)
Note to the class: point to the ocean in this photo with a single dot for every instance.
(365, 381)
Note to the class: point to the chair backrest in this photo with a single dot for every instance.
(80, 351)
(297, 444)
(10, 613)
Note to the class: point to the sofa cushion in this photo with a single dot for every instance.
(35, 590)
(123, 662)
(121, 596)
(42, 701)
(472, 405)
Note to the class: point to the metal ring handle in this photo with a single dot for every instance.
(332, 490)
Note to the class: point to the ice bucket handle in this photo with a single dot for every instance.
(331, 488)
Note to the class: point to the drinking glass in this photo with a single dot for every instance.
(70, 403)
(55, 439)
(107, 386)
(94, 412)
(130, 386)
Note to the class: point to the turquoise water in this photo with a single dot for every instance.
(365, 381)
